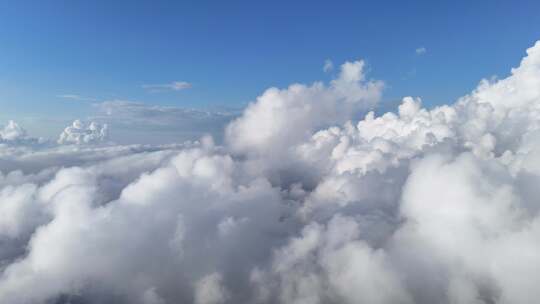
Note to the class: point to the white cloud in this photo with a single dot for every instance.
(284, 117)
(209, 290)
(15, 135)
(76, 97)
(12, 131)
(421, 50)
(301, 205)
(173, 86)
(83, 133)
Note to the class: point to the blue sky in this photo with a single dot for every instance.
(230, 51)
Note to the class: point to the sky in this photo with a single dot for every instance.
(58, 59)
(273, 153)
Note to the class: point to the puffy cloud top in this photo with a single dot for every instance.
(14, 135)
(12, 131)
(83, 133)
(280, 118)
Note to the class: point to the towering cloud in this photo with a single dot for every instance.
(302, 204)
(281, 118)
(14, 135)
(82, 133)
(12, 131)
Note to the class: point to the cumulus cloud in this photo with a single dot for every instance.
(173, 86)
(83, 133)
(305, 202)
(283, 117)
(12, 131)
(12, 134)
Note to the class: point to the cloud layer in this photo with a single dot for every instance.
(303, 203)
(181, 123)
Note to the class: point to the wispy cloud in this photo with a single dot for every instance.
(173, 86)
(130, 111)
(328, 66)
(421, 50)
(76, 97)
(122, 114)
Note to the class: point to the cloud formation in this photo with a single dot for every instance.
(12, 131)
(173, 86)
(130, 112)
(76, 97)
(83, 133)
(304, 203)
(281, 118)
(13, 134)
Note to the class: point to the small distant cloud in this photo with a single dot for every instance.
(76, 97)
(421, 50)
(328, 66)
(83, 133)
(173, 86)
